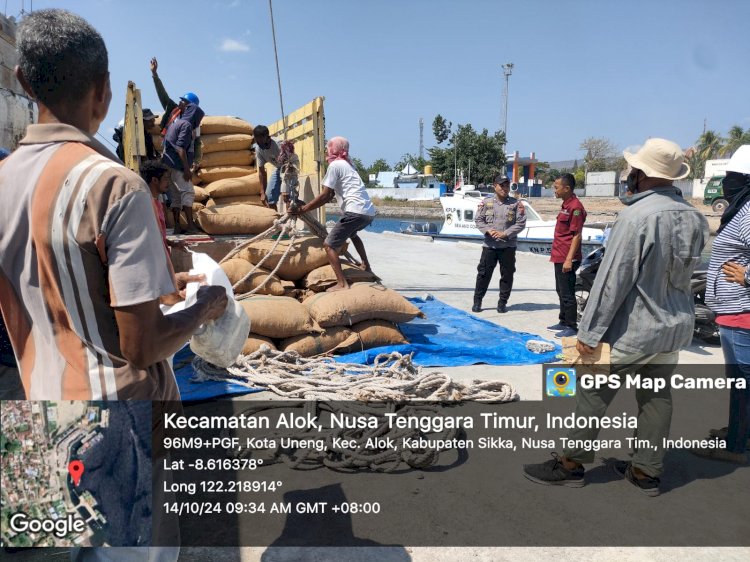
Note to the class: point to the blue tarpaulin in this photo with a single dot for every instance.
(446, 337)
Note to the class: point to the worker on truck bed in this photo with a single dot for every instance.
(267, 150)
(173, 110)
(357, 211)
(179, 155)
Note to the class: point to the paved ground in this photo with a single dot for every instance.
(447, 271)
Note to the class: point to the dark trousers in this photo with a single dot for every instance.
(565, 284)
(490, 258)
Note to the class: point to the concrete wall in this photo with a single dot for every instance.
(405, 194)
(601, 189)
(16, 110)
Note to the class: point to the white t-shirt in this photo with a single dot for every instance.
(350, 192)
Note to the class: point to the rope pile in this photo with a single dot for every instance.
(392, 384)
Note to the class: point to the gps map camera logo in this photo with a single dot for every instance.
(561, 382)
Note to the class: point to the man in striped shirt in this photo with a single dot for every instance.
(82, 266)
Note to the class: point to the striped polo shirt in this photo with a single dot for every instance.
(731, 244)
(78, 239)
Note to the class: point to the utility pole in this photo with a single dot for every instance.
(507, 71)
(421, 138)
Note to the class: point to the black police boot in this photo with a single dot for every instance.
(501, 308)
(477, 306)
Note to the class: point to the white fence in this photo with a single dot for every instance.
(406, 194)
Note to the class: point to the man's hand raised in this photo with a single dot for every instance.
(154, 66)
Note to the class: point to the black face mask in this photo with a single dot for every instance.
(733, 184)
(632, 181)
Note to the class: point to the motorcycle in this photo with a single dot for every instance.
(705, 327)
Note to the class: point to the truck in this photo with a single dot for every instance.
(714, 194)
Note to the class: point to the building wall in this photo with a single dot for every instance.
(16, 110)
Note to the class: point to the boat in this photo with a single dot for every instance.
(460, 209)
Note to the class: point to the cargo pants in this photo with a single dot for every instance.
(654, 408)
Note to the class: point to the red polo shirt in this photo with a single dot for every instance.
(570, 221)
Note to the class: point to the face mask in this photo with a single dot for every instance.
(632, 181)
(733, 184)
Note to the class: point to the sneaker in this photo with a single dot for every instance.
(556, 327)
(553, 473)
(476, 308)
(648, 485)
(566, 332)
(720, 455)
(502, 308)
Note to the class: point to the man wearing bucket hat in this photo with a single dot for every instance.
(641, 304)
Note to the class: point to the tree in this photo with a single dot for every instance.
(361, 170)
(735, 139)
(417, 161)
(480, 154)
(709, 145)
(599, 152)
(380, 165)
(441, 129)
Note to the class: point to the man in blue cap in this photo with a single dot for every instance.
(172, 109)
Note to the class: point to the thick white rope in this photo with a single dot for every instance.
(393, 382)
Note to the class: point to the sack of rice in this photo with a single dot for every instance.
(236, 219)
(219, 142)
(364, 301)
(201, 195)
(306, 254)
(236, 269)
(373, 333)
(278, 317)
(253, 343)
(235, 200)
(228, 158)
(214, 173)
(323, 277)
(310, 345)
(212, 124)
(248, 184)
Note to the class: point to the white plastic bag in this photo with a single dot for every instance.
(218, 341)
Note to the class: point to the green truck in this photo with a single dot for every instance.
(714, 195)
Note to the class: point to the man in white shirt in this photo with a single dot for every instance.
(357, 211)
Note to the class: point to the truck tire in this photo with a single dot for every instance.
(719, 205)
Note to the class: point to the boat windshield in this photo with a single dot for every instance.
(531, 214)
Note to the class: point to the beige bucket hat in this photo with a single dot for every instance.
(659, 158)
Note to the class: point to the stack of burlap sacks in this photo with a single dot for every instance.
(293, 311)
(227, 186)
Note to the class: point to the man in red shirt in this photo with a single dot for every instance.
(566, 254)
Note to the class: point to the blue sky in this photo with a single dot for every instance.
(625, 70)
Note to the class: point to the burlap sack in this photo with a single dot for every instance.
(235, 200)
(253, 343)
(373, 333)
(236, 219)
(215, 173)
(158, 142)
(310, 345)
(278, 317)
(228, 158)
(213, 124)
(236, 269)
(364, 301)
(323, 277)
(169, 217)
(306, 255)
(220, 142)
(201, 195)
(244, 185)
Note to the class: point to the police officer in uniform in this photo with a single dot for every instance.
(500, 219)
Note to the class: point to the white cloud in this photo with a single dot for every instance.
(234, 46)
